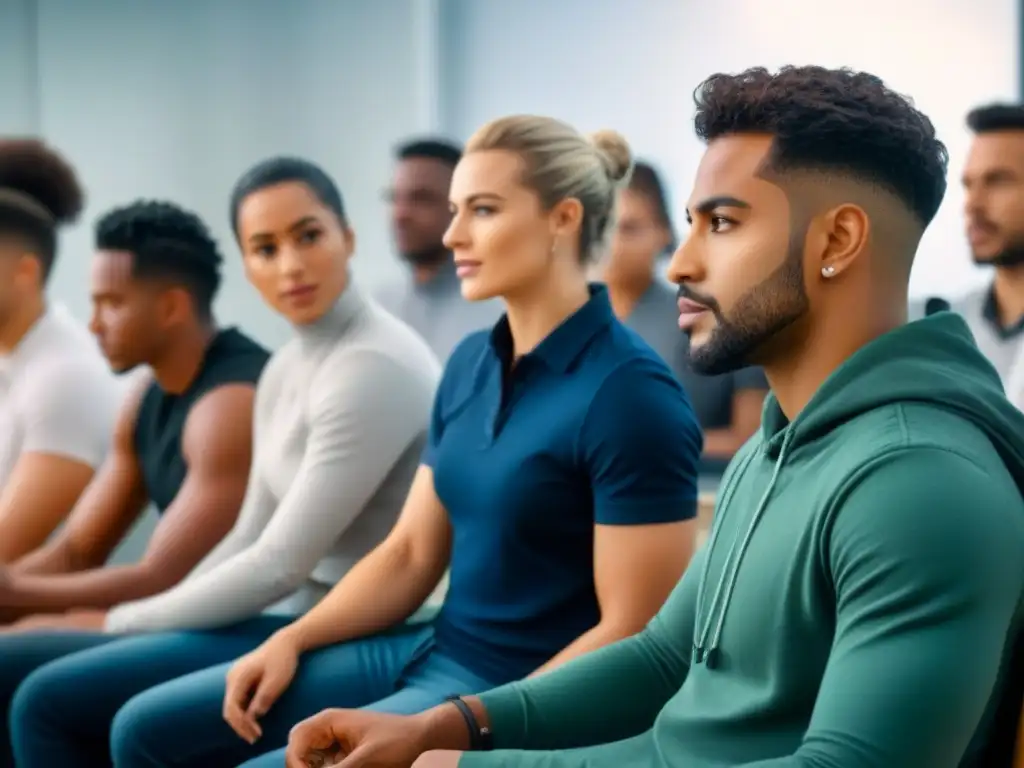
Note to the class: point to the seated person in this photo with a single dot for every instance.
(182, 441)
(853, 605)
(558, 483)
(341, 419)
(58, 399)
(728, 404)
(428, 297)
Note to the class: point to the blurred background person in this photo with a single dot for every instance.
(429, 298)
(993, 182)
(58, 398)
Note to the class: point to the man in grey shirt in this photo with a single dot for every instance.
(430, 299)
(993, 182)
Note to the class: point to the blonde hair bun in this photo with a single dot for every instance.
(615, 153)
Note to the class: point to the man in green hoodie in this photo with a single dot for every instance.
(862, 587)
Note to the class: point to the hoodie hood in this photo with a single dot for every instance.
(933, 360)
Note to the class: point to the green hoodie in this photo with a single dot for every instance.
(851, 608)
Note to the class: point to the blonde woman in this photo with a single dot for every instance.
(558, 485)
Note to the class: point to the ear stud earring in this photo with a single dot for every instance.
(828, 271)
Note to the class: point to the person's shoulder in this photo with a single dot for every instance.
(65, 348)
(472, 345)
(76, 376)
(383, 344)
(924, 485)
(233, 357)
(642, 389)
(469, 360)
(624, 354)
(386, 331)
(927, 514)
(968, 304)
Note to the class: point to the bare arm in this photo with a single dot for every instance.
(202, 512)
(636, 567)
(68, 414)
(105, 511)
(39, 495)
(391, 582)
(363, 416)
(746, 418)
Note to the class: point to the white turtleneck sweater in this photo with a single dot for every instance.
(340, 419)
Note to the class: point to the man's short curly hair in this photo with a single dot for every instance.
(831, 120)
(167, 243)
(30, 168)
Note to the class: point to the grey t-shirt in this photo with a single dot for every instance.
(655, 319)
(436, 310)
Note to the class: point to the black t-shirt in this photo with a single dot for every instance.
(231, 358)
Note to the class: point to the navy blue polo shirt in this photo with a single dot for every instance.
(591, 427)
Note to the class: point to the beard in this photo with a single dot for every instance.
(760, 314)
(427, 257)
(1012, 255)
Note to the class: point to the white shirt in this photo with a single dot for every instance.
(58, 396)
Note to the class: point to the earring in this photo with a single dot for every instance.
(828, 271)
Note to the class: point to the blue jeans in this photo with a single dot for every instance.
(62, 711)
(179, 722)
(24, 653)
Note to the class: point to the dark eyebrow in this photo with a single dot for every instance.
(709, 204)
(305, 221)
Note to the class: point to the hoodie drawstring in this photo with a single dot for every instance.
(705, 652)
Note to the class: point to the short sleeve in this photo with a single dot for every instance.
(435, 429)
(69, 411)
(750, 378)
(641, 446)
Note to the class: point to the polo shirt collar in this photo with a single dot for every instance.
(561, 348)
(990, 313)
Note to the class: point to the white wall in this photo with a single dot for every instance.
(633, 67)
(176, 100)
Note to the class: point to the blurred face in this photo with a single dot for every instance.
(994, 198)
(419, 209)
(296, 250)
(739, 270)
(502, 241)
(638, 238)
(20, 274)
(130, 317)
